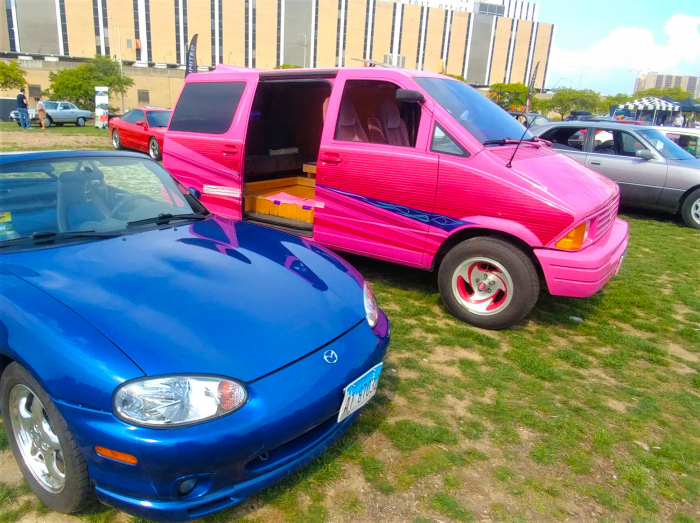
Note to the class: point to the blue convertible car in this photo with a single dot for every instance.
(169, 361)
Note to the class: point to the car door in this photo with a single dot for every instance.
(376, 189)
(614, 154)
(139, 132)
(130, 129)
(65, 113)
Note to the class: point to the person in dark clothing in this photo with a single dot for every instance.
(23, 110)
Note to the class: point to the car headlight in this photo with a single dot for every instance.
(169, 401)
(575, 238)
(371, 308)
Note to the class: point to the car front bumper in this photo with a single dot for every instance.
(289, 420)
(580, 274)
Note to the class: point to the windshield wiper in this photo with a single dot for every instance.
(51, 236)
(166, 217)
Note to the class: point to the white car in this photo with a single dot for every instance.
(687, 138)
(57, 113)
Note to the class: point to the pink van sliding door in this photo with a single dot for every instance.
(375, 198)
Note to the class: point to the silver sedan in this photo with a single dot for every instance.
(651, 170)
(57, 113)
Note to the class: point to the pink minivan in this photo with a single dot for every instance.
(405, 166)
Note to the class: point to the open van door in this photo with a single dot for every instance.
(203, 147)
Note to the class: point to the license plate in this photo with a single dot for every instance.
(359, 392)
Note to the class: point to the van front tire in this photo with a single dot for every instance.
(488, 283)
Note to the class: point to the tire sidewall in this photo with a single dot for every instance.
(523, 274)
(692, 198)
(80, 122)
(67, 500)
(47, 122)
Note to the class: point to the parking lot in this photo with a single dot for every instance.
(589, 410)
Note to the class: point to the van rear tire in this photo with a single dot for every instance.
(488, 283)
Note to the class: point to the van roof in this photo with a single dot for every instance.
(331, 72)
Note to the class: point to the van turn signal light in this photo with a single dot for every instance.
(575, 238)
(116, 456)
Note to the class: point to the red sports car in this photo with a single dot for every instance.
(142, 128)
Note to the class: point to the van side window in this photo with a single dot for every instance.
(207, 107)
(369, 112)
(445, 144)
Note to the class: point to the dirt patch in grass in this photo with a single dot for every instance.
(9, 471)
(37, 139)
(683, 354)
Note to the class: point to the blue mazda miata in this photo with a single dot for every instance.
(166, 360)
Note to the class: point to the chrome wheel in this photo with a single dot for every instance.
(154, 149)
(695, 211)
(482, 286)
(37, 441)
(116, 142)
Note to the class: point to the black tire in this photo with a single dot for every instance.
(77, 492)
(154, 149)
(691, 210)
(80, 121)
(19, 123)
(520, 273)
(59, 125)
(116, 140)
(48, 121)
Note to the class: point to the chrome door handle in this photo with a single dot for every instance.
(595, 163)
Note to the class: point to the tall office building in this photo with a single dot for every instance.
(654, 80)
(485, 41)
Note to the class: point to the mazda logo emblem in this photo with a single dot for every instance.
(330, 356)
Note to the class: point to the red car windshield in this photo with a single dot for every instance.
(158, 118)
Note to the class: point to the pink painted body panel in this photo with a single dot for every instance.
(402, 203)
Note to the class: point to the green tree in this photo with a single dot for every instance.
(11, 76)
(616, 99)
(566, 100)
(510, 95)
(676, 92)
(77, 85)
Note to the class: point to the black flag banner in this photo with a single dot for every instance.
(192, 57)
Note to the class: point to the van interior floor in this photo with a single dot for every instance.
(284, 203)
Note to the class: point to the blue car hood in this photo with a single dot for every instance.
(215, 296)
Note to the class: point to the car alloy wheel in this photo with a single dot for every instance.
(36, 439)
(154, 149)
(690, 210)
(116, 140)
(482, 286)
(80, 122)
(47, 122)
(695, 211)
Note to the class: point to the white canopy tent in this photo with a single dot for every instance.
(651, 103)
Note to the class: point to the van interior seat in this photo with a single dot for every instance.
(376, 135)
(392, 125)
(349, 128)
(265, 137)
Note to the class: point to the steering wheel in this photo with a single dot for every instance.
(126, 200)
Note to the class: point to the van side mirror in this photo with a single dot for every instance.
(194, 192)
(644, 154)
(409, 95)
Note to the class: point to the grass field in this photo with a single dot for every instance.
(587, 411)
(14, 138)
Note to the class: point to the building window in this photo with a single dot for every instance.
(143, 97)
(148, 30)
(254, 22)
(279, 32)
(391, 40)
(10, 26)
(337, 34)
(178, 47)
(493, 41)
(549, 50)
(345, 30)
(400, 36)
(247, 32)
(221, 31)
(184, 27)
(96, 20)
(529, 53)
(105, 26)
(446, 28)
(64, 26)
(137, 32)
(367, 11)
(420, 37)
(314, 58)
(212, 13)
(677, 81)
(34, 91)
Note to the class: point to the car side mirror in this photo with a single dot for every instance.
(141, 123)
(409, 95)
(194, 192)
(644, 154)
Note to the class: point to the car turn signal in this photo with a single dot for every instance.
(575, 238)
(116, 456)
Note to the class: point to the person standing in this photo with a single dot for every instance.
(690, 121)
(678, 121)
(22, 110)
(40, 111)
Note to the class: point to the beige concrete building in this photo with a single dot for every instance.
(654, 80)
(485, 42)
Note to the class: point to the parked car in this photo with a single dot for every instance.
(529, 119)
(166, 360)
(57, 113)
(687, 138)
(142, 129)
(652, 171)
(579, 115)
(405, 166)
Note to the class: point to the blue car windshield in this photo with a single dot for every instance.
(484, 120)
(103, 194)
(665, 145)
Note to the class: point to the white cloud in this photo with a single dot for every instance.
(628, 48)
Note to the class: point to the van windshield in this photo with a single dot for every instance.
(484, 120)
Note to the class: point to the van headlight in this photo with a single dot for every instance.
(574, 238)
(171, 401)
(371, 308)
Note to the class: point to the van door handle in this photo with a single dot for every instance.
(230, 148)
(332, 158)
(595, 163)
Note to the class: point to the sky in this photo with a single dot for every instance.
(597, 42)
